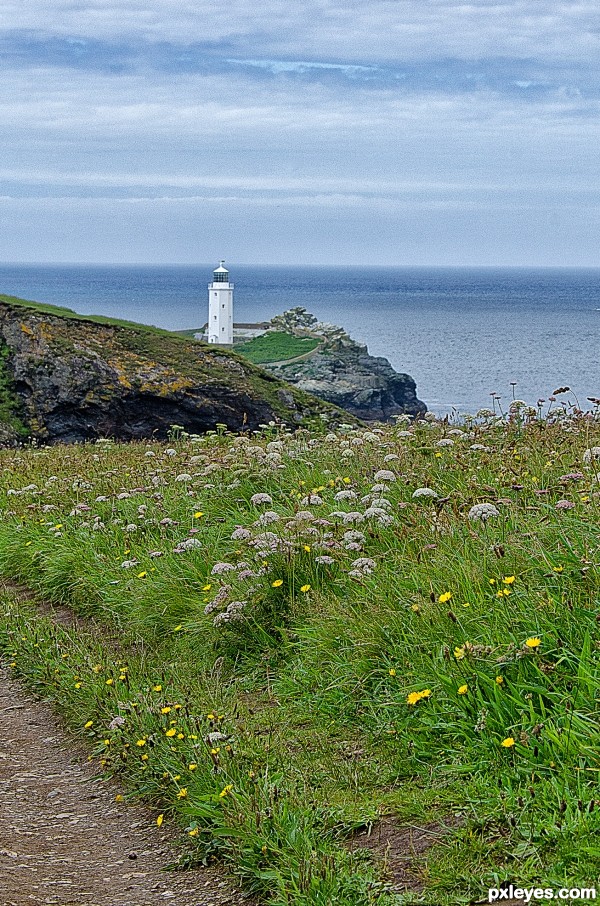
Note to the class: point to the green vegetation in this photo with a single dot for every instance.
(286, 638)
(276, 346)
(10, 406)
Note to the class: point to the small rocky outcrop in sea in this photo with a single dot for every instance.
(341, 371)
(65, 377)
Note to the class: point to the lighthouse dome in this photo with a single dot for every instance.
(221, 274)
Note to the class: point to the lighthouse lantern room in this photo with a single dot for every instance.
(220, 308)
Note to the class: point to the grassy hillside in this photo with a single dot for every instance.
(297, 639)
(275, 346)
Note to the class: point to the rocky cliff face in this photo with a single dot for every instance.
(67, 378)
(342, 372)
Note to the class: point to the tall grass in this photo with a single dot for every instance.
(331, 643)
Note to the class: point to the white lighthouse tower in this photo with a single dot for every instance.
(220, 308)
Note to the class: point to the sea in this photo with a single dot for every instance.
(462, 333)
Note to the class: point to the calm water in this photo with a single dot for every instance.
(462, 333)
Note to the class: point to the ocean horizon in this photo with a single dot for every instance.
(463, 333)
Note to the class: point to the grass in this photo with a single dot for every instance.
(275, 346)
(277, 672)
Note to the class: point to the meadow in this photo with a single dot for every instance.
(358, 667)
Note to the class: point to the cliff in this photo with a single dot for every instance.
(66, 377)
(341, 371)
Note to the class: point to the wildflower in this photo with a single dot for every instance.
(499, 680)
(533, 642)
(110, 681)
(257, 499)
(182, 794)
(141, 742)
(198, 515)
(305, 587)
(119, 798)
(171, 731)
(564, 505)
(503, 593)
(165, 710)
(193, 832)
(142, 575)
(392, 672)
(424, 493)
(192, 767)
(445, 597)
(78, 685)
(591, 454)
(508, 580)
(459, 652)
(384, 475)
(160, 820)
(482, 512)
(89, 724)
(225, 791)
(157, 688)
(462, 690)
(414, 697)
(558, 569)
(508, 743)
(277, 583)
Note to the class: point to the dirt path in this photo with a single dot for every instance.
(65, 841)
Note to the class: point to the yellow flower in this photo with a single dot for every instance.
(533, 642)
(192, 767)
(144, 757)
(206, 587)
(198, 515)
(226, 790)
(142, 575)
(558, 569)
(305, 587)
(445, 597)
(508, 743)
(182, 794)
(171, 732)
(346, 480)
(193, 832)
(157, 688)
(78, 685)
(306, 547)
(415, 608)
(177, 628)
(392, 672)
(165, 710)
(459, 652)
(508, 580)
(88, 725)
(503, 593)
(141, 742)
(119, 798)
(499, 680)
(277, 583)
(413, 697)
(109, 682)
(211, 716)
(181, 736)
(160, 820)
(462, 690)
(492, 581)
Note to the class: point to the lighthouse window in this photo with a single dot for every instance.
(222, 306)
(216, 294)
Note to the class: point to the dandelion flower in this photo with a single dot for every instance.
(462, 690)
(198, 515)
(165, 710)
(225, 791)
(182, 794)
(533, 642)
(141, 742)
(157, 688)
(171, 731)
(277, 583)
(508, 580)
(89, 724)
(507, 743)
(499, 680)
(305, 587)
(392, 672)
(445, 597)
(459, 652)
(160, 820)
(193, 832)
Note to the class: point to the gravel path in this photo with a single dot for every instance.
(65, 841)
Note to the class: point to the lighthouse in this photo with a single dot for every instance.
(220, 308)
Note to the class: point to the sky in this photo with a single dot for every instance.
(384, 132)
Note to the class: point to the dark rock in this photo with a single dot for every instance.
(77, 379)
(342, 372)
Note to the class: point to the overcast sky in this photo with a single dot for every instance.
(314, 132)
